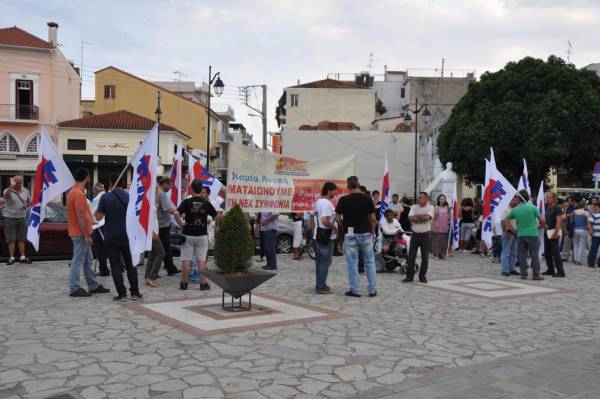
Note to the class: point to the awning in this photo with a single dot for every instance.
(78, 158)
(112, 159)
(18, 164)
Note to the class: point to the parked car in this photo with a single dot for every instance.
(285, 238)
(54, 238)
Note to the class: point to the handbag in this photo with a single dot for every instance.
(323, 236)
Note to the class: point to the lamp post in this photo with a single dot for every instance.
(219, 86)
(158, 114)
(408, 124)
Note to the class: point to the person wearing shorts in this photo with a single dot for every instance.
(17, 200)
(195, 210)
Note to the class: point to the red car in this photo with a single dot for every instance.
(54, 238)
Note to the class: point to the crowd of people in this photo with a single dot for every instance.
(357, 226)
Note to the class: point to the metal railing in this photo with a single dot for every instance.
(19, 112)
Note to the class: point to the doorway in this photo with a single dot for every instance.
(24, 99)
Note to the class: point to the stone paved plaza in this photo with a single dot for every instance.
(411, 341)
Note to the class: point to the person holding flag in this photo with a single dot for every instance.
(527, 217)
(165, 209)
(508, 257)
(79, 225)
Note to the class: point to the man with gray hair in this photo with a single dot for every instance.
(98, 247)
(18, 199)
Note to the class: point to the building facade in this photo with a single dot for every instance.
(38, 87)
(119, 90)
(329, 100)
(104, 144)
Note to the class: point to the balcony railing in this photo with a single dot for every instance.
(19, 112)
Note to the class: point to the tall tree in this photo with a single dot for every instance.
(545, 111)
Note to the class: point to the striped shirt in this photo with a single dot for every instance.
(594, 219)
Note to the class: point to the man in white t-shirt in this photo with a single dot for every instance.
(325, 235)
(389, 227)
(420, 217)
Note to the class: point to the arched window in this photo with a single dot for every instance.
(8, 143)
(32, 146)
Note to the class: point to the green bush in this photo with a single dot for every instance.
(234, 245)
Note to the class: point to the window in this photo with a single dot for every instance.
(32, 146)
(8, 143)
(402, 92)
(293, 100)
(109, 92)
(75, 144)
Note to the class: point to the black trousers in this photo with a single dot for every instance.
(552, 255)
(99, 250)
(164, 233)
(118, 253)
(423, 241)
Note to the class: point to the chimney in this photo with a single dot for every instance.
(53, 33)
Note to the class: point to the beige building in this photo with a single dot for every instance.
(329, 100)
(104, 144)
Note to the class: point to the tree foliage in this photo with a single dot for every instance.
(547, 112)
(379, 107)
(234, 245)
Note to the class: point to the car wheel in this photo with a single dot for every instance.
(284, 244)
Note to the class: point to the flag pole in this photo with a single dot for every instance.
(120, 176)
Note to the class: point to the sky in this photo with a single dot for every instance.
(278, 42)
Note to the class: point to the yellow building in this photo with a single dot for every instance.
(119, 90)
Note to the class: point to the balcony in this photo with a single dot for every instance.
(18, 113)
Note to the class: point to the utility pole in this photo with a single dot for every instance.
(83, 42)
(244, 93)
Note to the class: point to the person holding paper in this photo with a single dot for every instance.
(554, 217)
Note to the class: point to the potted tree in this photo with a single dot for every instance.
(234, 248)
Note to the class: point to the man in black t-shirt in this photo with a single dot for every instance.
(552, 234)
(195, 211)
(356, 213)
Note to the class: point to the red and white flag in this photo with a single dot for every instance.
(176, 192)
(52, 178)
(385, 189)
(142, 195)
(497, 194)
(198, 172)
(524, 180)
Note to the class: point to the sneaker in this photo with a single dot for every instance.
(548, 273)
(80, 293)
(99, 290)
(183, 286)
(423, 280)
(353, 294)
(523, 277)
(24, 259)
(173, 272)
(407, 280)
(537, 278)
(559, 275)
(11, 261)
(136, 296)
(514, 273)
(269, 268)
(119, 298)
(372, 294)
(323, 291)
(204, 286)
(506, 274)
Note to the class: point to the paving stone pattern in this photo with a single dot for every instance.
(50, 343)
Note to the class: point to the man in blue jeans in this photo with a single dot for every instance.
(269, 224)
(325, 235)
(508, 258)
(356, 213)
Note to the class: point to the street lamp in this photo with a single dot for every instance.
(158, 114)
(408, 123)
(219, 87)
